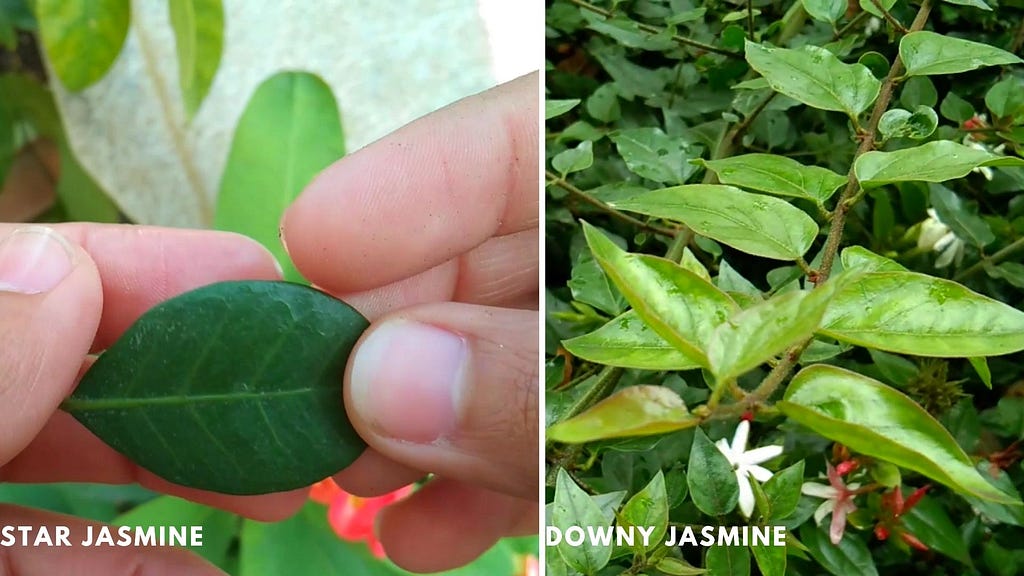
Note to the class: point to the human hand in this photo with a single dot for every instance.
(432, 233)
(70, 290)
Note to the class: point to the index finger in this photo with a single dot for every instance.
(425, 194)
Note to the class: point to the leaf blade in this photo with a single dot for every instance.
(199, 40)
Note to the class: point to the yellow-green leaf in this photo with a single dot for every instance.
(926, 53)
(199, 38)
(628, 342)
(777, 175)
(632, 411)
(82, 37)
(936, 161)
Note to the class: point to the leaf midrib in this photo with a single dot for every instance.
(88, 405)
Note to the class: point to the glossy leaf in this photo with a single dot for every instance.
(973, 3)
(825, 10)
(956, 108)
(574, 507)
(927, 53)
(289, 132)
(777, 175)
(727, 561)
(878, 421)
(869, 7)
(677, 304)
(998, 511)
(850, 556)
(900, 123)
(553, 108)
(783, 490)
(199, 38)
(1012, 272)
(633, 411)
(912, 313)
(1005, 99)
(648, 508)
(208, 388)
(590, 285)
(753, 336)
(82, 38)
(756, 224)
(628, 342)
(650, 153)
(814, 76)
(713, 485)
(930, 523)
(863, 260)
(574, 159)
(962, 220)
(936, 161)
(771, 560)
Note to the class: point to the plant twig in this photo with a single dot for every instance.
(728, 141)
(889, 17)
(750, 20)
(850, 25)
(655, 30)
(996, 258)
(581, 195)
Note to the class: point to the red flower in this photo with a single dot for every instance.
(352, 517)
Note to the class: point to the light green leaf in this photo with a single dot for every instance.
(691, 263)
(932, 162)
(974, 3)
(861, 259)
(753, 336)
(199, 38)
(869, 7)
(574, 507)
(900, 123)
(895, 370)
(633, 411)
(574, 159)
(777, 175)
(1005, 99)
(680, 306)
(81, 196)
(82, 38)
(289, 132)
(727, 561)
(756, 224)
(675, 567)
(783, 490)
(878, 421)
(628, 342)
(650, 153)
(963, 221)
(590, 285)
(554, 108)
(912, 313)
(930, 523)
(980, 365)
(219, 527)
(927, 53)
(603, 104)
(731, 281)
(1012, 272)
(770, 559)
(713, 486)
(648, 508)
(825, 10)
(918, 91)
(851, 556)
(956, 108)
(815, 77)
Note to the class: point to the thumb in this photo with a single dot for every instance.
(50, 304)
(452, 389)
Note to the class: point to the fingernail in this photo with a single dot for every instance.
(33, 260)
(406, 380)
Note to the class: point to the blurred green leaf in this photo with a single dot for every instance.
(650, 153)
(980, 365)
(851, 556)
(825, 10)
(956, 108)
(553, 108)
(199, 38)
(1005, 99)
(219, 527)
(82, 37)
(289, 132)
(930, 523)
(963, 221)
(574, 159)
(771, 560)
(82, 197)
(648, 508)
(727, 561)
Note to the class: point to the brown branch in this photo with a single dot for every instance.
(996, 258)
(655, 30)
(581, 195)
(889, 17)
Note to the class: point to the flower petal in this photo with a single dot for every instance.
(818, 490)
(723, 447)
(760, 473)
(746, 495)
(759, 455)
(823, 510)
(739, 439)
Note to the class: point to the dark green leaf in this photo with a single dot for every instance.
(932, 162)
(713, 485)
(648, 508)
(927, 53)
(628, 342)
(973, 3)
(82, 197)
(208, 389)
(900, 123)
(997, 511)
(289, 132)
(574, 507)
(869, 7)
(930, 523)
(777, 175)
(825, 10)
(910, 313)
(783, 490)
(919, 91)
(574, 159)
(878, 421)
(956, 108)
(727, 561)
(82, 38)
(771, 560)
(851, 556)
(633, 411)
(754, 223)
(199, 37)
(896, 370)
(1012, 272)
(590, 285)
(815, 77)
(1005, 99)
(962, 220)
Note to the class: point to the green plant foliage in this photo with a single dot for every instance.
(226, 423)
(82, 37)
(199, 38)
(289, 132)
(809, 215)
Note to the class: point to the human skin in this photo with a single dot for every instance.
(430, 232)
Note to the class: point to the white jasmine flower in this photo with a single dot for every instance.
(838, 502)
(937, 237)
(873, 25)
(746, 464)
